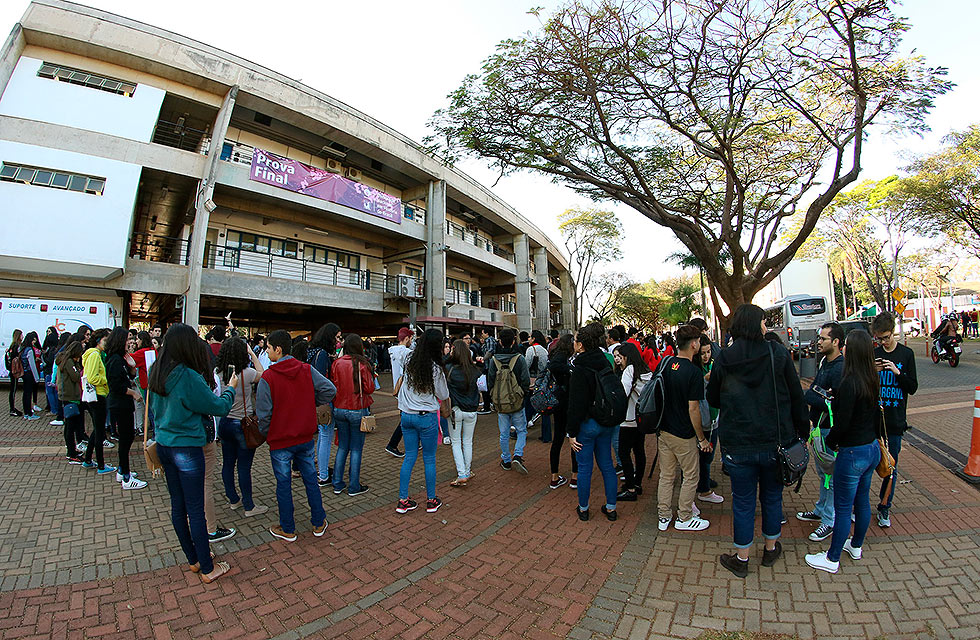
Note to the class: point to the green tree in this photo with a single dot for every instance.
(592, 237)
(640, 308)
(679, 295)
(943, 192)
(608, 290)
(713, 119)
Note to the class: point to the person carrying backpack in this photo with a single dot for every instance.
(508, 380)
(635, 375)
(594, 408)
(15, 366)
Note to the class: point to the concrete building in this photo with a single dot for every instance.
(180, 181)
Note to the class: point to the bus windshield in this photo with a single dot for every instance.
(808, 307)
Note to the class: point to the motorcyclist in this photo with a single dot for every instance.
(947, 332)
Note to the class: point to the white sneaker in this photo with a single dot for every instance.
(57, 423)
(133, 483)
(256, 510)
(694, 524)
(820, 561)
(663, 524)
(120, 477)
(37, 408)
(446, 440)
(711, 497)
(854, 552)
(108, 444)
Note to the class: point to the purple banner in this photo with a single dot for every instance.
(268, 168)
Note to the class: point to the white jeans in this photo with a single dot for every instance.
(461, 434)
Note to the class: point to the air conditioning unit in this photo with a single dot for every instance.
(352, 174)
(407, 286)
(334, 166)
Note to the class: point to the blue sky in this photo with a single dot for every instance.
(396, 61)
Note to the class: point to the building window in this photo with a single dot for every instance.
(457, 285)
(52, 178)
(244, 241)
(315, 253)
(84, 78)
(412, 272)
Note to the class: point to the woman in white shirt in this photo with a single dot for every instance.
(636, 375)
(422, 391)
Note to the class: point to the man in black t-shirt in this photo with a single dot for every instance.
(680, 433)
(896, 375)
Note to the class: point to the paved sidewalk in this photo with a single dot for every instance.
(504, 558)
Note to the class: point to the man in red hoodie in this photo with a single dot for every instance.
(285, 404)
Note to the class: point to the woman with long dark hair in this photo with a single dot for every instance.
(30, 357)
(465, 397)
(233, 359)
(856, 428)
(69, 381)
(321, 354)
(93, 366)
(121, 403)
(755, 385)
(10, 357)
(559, 365)
(181, 401)
(422, 393)
(49, 349)
(353, 376)
(632, 452)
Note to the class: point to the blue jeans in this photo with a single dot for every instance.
(324, 440)
(234, 453)
(300, 455)
(825, 503)
(596, 442)
(419, 428)
(852, 480)
(887, 491)
(615, 445)
(184, 470)
(51, 390)
(504, 422)
(749, 471)
(348, 425)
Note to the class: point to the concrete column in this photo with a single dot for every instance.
(522, 282)
(542, 294)
(567, 301)
(192, 302)
(435, 248)
(10, 54)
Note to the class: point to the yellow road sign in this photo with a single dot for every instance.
(898, 294)
(900, 308)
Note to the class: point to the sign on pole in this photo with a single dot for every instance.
(898, 294)
(900, 308)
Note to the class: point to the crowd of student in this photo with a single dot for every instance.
(301, 396)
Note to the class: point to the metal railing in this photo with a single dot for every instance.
(456, 296)
(172, 134)
(286, 268)
(145, 246)
(501, 304)
(476, 239)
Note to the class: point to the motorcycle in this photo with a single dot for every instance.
(951, 353)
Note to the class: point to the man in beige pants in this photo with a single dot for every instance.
(680, 433)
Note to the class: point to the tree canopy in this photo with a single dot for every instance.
(592, 237)
(712, 119)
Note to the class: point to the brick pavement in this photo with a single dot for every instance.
(505, 558)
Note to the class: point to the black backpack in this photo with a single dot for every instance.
(650, 405)
(609, 407)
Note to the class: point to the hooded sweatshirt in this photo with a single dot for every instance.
(178, 416)
(582, 387)
(742, 387)
(286, 401)
(94, 368)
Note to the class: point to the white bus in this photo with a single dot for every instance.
(797, 319)
(30, 314)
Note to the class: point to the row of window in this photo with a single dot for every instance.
(53, 178)
(457, 285)
(62, 73)
(243, 241)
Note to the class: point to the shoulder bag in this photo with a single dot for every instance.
(886, 464)
(153, 463)
(794, 458)
(368, 423)
(250, 423)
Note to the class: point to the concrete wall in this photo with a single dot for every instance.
(29, 96)
(64, 232)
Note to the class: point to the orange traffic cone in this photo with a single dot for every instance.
(971, 473)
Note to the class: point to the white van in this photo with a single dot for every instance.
(30, 314)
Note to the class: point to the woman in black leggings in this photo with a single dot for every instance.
(560, 370)
(632, 451)
(121, 403)
(69, 380)
(12, 356)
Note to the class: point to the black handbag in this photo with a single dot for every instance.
(793, 459)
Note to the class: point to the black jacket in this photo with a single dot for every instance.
(582, 388)
(117, 376)
(857, 420)
(741, 387)
(828, 378)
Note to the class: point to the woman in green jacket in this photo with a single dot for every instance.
(69, 381)
(181, 401)
(93, 365)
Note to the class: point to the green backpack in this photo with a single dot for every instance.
(507, 395)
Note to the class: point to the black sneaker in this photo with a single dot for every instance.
(518, 463)
(610, 515)
(505, 465)
(557, 483)
(404, 506)
(734, 564)
(573, 483)
(324, 483)
(626, 495)
(221, 534)
(582, 515)
(74, 459)
(16, 413)
(639, 490)
(394, 452)
(364, 489)
(769, 557)
(431, 506)
(807, 516)
(619, 471)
